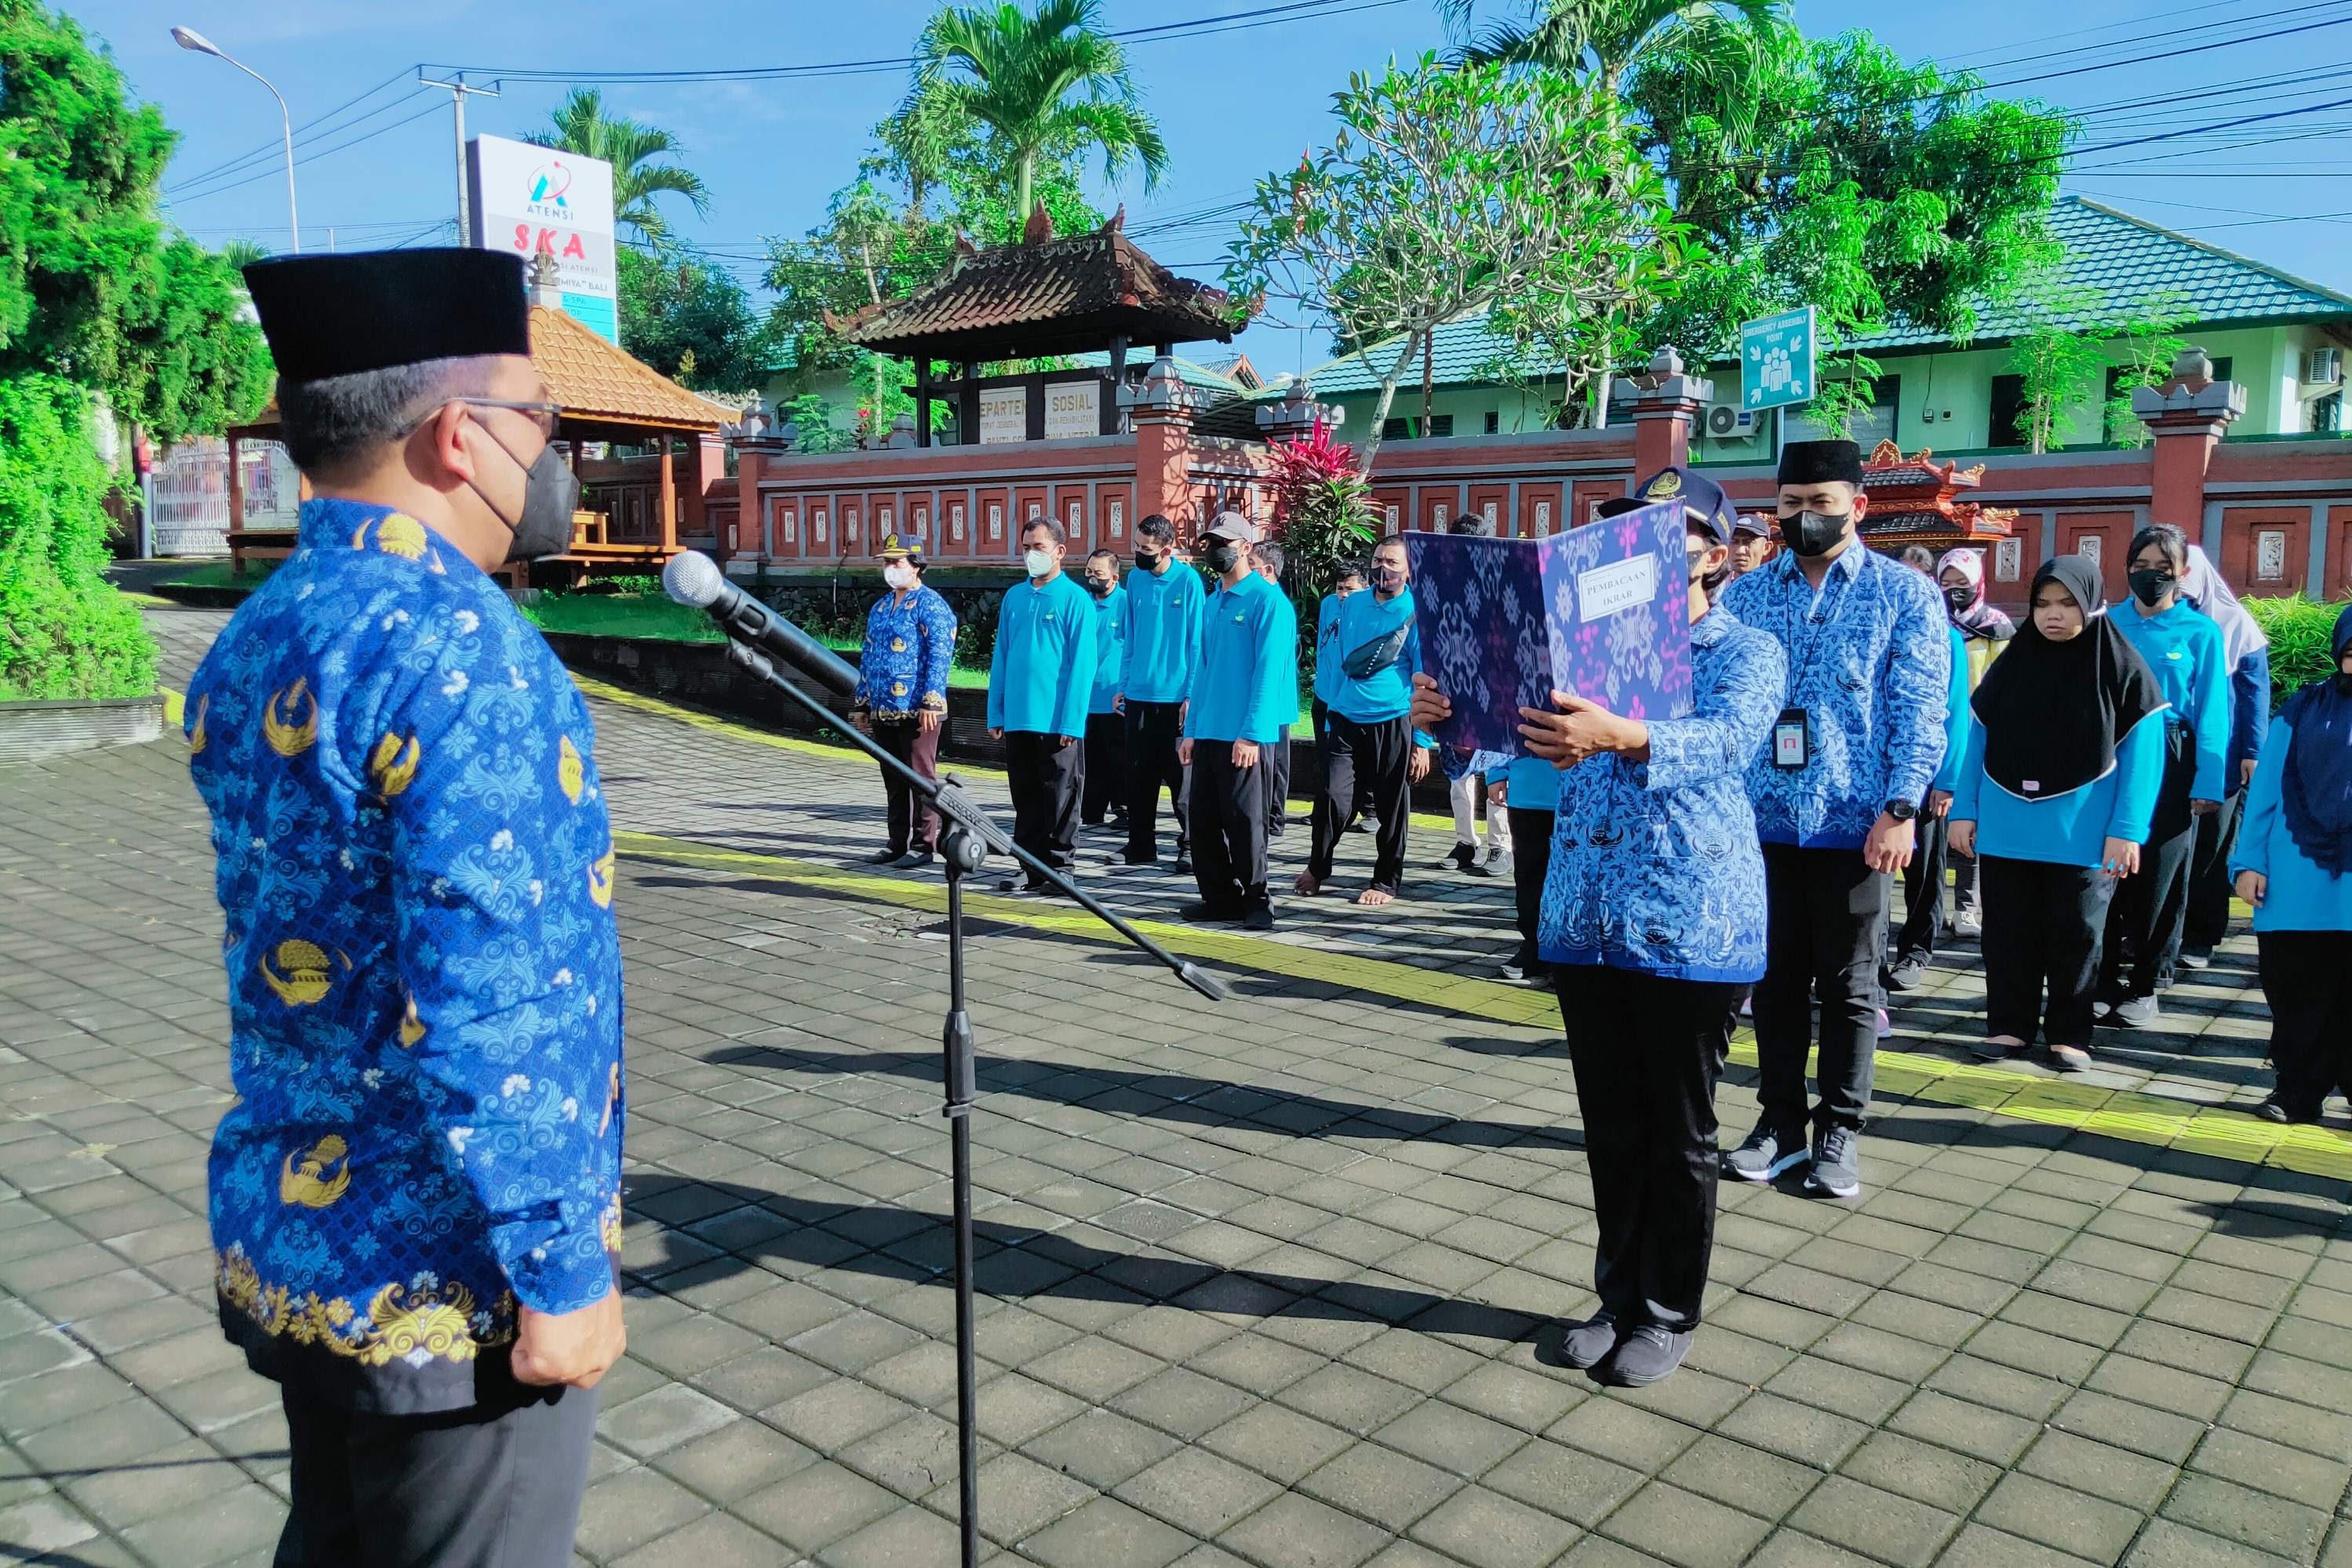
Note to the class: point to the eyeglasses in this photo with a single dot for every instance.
(544, 415)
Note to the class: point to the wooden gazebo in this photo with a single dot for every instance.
(606, 396)
(1037, 298)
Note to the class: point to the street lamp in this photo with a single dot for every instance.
(189, 38)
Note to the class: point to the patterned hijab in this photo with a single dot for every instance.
(1980, 619)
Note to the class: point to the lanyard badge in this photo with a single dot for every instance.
(1792, 747)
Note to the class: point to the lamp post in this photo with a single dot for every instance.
(189, 38)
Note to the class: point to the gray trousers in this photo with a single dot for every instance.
(472, 1489)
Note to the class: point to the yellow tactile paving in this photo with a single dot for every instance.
(2126, 1114)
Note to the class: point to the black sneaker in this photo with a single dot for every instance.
(1258, 919)
(1521, 963)
(1365, 825)
(1837, 1165)
(1275, 829)
(1460, 858)
(1648, 1355)
(1183, 866)
(1768, 1152)
(1202, 913)
(881, 857)
(1905, 973)
(1585, 1344)
(913, 859)
(2133, 1013)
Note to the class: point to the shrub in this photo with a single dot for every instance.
(65, 631)
(2301, 631)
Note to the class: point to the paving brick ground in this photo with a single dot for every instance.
(1276, 1282)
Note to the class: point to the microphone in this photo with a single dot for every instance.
(694, 580)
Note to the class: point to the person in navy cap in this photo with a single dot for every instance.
(1751, 543)
(415, 1196)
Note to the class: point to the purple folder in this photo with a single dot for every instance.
(1600, 611)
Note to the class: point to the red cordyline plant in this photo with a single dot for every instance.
(1322, 513)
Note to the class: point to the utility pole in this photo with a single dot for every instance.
(457, 90)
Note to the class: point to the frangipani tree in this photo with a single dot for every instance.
(1457, 189)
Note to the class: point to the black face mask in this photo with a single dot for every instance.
(2149, 587)
(1099, 587)
(1815, 533)
(551, 491)
(1223, 556)
(1387, 579)
(1148, 561)
(1960, 599)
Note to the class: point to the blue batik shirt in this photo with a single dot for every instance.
(424, 978)
(1654, 865)
(1869, 659)
(909, 646)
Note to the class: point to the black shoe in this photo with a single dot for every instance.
(882, 857)
(1365, 825)
(1460, 858)
(1202, 913)
(1648, 1355)
(1183, 866)
(1013, 887)
(1258, 919)
(1906, 973)
(1275, 830)
(913, 859)
(1132, 856)
(1589, 1342)
(1769, 1153)
(2277, 1109)
(1521, 963)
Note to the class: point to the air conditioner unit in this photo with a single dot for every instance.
(2324, 367)
(1727, 422)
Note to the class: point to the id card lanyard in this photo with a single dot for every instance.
(1792, 744)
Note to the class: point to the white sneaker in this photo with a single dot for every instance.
(1500, 865)
(1968, 923)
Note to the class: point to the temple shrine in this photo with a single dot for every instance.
(1914, 500)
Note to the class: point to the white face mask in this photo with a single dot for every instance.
(1037, 562)
(899, 575)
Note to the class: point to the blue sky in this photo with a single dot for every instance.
(1233, 106)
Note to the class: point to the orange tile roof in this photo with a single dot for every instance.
(594, 379)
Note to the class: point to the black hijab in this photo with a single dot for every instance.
(2054, 713)
(2315, 786)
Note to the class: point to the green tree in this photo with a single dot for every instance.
(1042, 83)
(2147, 342)
(1720, 50)
(1452, 189)
(2056, 357)
(692, 321)
(1933, 190)
(583, 127)
(93, 286)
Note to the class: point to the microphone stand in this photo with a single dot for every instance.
(967, 834)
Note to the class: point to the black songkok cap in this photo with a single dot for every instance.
(371, 311)
(1815, 462)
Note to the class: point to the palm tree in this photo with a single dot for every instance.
(1042, 82)
(581, 127)
(1718, 47)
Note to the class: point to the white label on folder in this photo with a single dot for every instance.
(1620, 585)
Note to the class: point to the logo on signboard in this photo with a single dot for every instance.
(548, 184)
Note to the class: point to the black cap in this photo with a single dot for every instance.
(1703, 502)
(1754, 523)
(1817, 462)
(370, 310)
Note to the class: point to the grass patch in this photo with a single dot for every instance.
(621, 615)
(221, 574)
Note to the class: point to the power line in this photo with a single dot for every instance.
(309, 130)
(220, 188)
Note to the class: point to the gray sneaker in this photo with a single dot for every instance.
(1588, 1342)
(2133, 1013)
(1837, 1164)
(1648, 1355)
(1768, 1152)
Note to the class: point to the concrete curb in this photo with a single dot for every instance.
(30, 731)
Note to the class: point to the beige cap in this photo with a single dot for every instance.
(1231, 525)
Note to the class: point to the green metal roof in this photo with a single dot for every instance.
(2121, 259)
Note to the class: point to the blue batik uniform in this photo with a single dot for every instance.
(1869, 661)
(1248, 684)
(1654, 865)
(424, 978)
(1163, 635)
(1110, 651)
(1042, 674)
(2183, 646)
(908, 648)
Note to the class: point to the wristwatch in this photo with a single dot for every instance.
(1902, 810)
